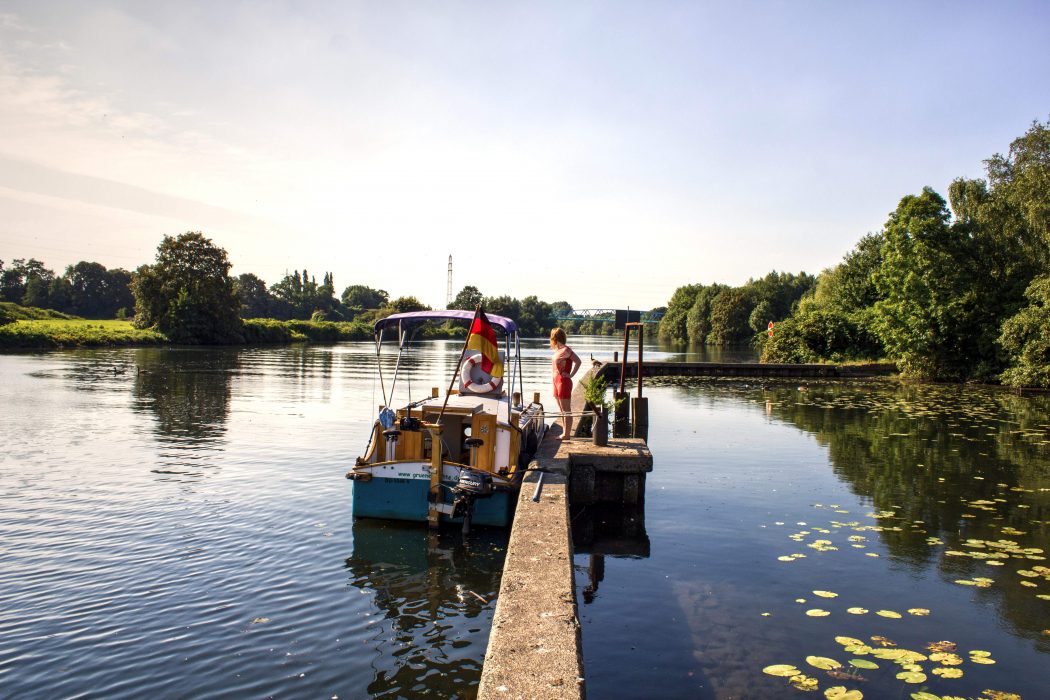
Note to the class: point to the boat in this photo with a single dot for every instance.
(457, 455)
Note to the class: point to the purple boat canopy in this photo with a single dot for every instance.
(412, 318)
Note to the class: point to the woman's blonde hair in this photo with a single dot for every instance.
(558, 335)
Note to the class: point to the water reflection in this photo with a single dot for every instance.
(188, 394)
(434, 596)
(606, 529)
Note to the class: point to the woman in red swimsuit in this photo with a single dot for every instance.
(564, 366)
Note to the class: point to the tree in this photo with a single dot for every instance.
(359, 296)
(255, 300)
(36, 293)
(502, 306)
(673, 324)
(406, 304)
(88, 282)
(1026, 336)
(730, 311)
(188, 292)
(14, 279)
(468, 299)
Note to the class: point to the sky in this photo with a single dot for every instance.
(600, 153)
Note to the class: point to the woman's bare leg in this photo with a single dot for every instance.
(565, 405)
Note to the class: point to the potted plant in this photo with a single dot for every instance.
(594, 393)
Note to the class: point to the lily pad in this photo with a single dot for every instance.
(857, 611)
(889, 613)
(826, 594)
(839, 692)
(848, 641)
(912, 676)
(863, 663)
(918, 612)
(823, 662)
(947, 672)
(817, 612)
(783, 670)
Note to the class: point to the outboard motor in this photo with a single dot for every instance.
(472, 485)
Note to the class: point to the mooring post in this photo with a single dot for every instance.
(640, 418)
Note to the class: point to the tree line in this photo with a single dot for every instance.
(955, 289)
(86, 289)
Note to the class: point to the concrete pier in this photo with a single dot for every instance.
(534, 647)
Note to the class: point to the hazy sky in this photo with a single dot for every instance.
(600, 153)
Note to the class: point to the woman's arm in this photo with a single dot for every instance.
(576, 363)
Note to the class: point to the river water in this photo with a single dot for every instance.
(175, 523)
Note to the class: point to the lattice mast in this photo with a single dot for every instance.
(448, 298)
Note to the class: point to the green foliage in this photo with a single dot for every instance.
(55, 333)
(6, 317)
(1026, 336)
(595, 392)
(187, 294)
(268, 330)
(403, 305)
(29, 313)
(730, 312)
(299, 296)
(360, 297)
(673, 324)
(255, 299)
(468, 299)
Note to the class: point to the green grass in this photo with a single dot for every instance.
(30, 312)
(68, 332)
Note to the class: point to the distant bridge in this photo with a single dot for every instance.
(605, 315)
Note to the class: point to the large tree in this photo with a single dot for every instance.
(188, 293)
(256, 301)
(468, 299)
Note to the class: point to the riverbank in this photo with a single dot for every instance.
(47, 333)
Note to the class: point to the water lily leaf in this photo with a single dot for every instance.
(948, 672)
(923, 695)
(826, 594)
(888, 613)
(783, 670)
(857, 611)
(918, 612)
(883, 641)
(817, 612)
(912, 676)
(848, 641)
(839, 692)
(823, 662)
(804, 682)
(863, 663)
(979, 652)
(982, 660)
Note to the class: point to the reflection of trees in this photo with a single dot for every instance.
(188, 394)
(946, 462)
(429, 589)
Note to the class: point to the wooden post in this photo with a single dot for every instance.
(434, 392)
(535, 397)
(436, 464)
(640, 418)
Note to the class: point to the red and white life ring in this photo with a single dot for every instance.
(467, 377)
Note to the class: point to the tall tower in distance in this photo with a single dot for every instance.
(448, 300)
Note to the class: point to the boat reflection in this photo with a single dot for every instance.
(433, 594)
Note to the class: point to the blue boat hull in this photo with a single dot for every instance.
(394, 498)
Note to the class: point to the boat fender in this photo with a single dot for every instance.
(467, 377)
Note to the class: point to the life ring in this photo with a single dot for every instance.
(466, 377)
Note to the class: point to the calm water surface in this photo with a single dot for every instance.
(175, 523)
(921, 514)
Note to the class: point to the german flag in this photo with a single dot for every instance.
(483, 339)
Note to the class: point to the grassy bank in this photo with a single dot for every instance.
(54, 332)
(69, 332)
